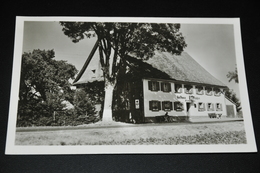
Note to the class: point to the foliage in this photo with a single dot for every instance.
(233, 97)
(70, 118)
(95, 90)
(233, 76)
(230, 93)
(44, 86)
(84, 107)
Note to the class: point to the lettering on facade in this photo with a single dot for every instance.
(194, 98)
(181, 97)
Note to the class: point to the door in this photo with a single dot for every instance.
(230, 111)
(188, 108)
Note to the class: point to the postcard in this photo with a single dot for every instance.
(117, 85)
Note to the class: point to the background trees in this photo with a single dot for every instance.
(117, 40)
(44, 86)
(230, 93)
(232, 96)
(232, 75)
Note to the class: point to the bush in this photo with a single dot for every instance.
(84, 112)
(62, 118)
(83, 105)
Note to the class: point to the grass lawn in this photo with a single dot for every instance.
(213, 133)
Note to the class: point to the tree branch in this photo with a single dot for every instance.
(100, 48)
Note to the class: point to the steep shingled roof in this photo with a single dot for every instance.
(182, 68)
(162, 65)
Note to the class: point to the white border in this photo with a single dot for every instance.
(14, 149)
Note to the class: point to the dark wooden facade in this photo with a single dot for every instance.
(128, 103)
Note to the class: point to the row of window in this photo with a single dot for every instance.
(210, 106)
(188, 89)
(155, 86)
(155, 105)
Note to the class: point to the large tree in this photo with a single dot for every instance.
(118, 40)
(44, 84)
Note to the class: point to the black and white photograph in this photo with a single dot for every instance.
(104, 85)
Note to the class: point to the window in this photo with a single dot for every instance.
(127, 104)
(178, 88)
(188, 89)
(210, 107)
(201, 106)
(166, 87)
(218, 107)
(208, 91)
(199, 90)
(166, 105)
(154, 105)
(153, 86)
(178, 106)
(217, 92)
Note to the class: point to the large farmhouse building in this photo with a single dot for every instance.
(164, 88)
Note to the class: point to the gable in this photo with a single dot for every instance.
(229, 101)
(91, 70)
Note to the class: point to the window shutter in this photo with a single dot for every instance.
(150, 85)
(171, 105)
(157, 86)
(162, 88)
(175, 105)
(169, 86)
(176, 88)
(150, 105)
(159, 105)
(163, 105)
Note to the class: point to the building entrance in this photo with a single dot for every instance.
(188, 108)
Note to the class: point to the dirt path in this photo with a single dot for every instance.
(120, 124)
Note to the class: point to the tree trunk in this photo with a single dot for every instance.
(107, 112)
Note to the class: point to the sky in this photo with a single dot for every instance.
(211, 45)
